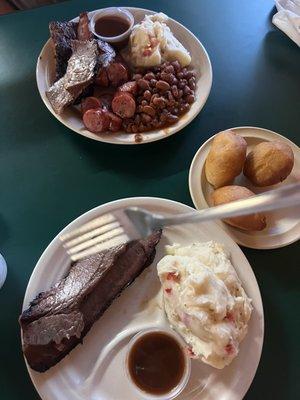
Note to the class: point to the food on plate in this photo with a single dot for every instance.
(79, 74)
(162, 95)
(59, 318)
(83, 30)
(152, 43)
(269, 163)
(62, 35)
(88, 103)
(225, 159)
(141, 99)
(226, 194)
(205, 301)
(123, 104)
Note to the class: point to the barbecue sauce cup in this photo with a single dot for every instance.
(113, 25)
(157, 364)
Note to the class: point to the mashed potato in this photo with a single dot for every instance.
(204, 301)
(152, 42)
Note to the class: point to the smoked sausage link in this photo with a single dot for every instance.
(102, 78)
(88, 103)
(123, 105)
(117, 73)
(115, 122)
(130, 87)
(96, 120)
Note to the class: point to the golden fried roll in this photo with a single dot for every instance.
(225, 159)
(269, 163)
(226, 194)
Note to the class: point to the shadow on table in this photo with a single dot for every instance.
(153, 160)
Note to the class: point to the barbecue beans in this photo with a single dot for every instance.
(164, 94)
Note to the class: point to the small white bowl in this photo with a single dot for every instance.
(116, 12)
(187, 370)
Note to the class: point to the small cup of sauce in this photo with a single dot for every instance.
(113, 25)
(157, 364)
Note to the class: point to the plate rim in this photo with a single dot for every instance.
(163, 202)
(89, 135)
(203, 203)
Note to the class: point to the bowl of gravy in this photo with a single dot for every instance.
(157, 364)
(113, 25)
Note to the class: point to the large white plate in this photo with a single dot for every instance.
(95, 370)
(283, 226)
(70, 118)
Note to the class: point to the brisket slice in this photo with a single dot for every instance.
(62, 34)
(58, 319)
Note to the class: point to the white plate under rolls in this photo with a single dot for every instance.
(95, 369)
(45, 72)
(283, 226)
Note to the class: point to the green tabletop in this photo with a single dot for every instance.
(50, 175)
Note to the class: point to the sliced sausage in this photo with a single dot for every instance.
(115, 122)
(83, 30)
(117, 73)
(130, 87)
(102, 78)
(123, 104)
(96, 120)
(89, 103)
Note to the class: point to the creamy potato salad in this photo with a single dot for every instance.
(204, 301)
(152, 42)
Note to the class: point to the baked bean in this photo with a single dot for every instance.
(175, 91)
(162, 85)
(134, 128)
(146, 118)
(180, 75)
(144, 103)
(180, 93)
(153, 82)
(170, 69)
(149, 76)
(171, 118)
(181, 84)
(176, 65)
(190, 98)
(143, 84)
(187, 90)
(147, 95)
(184, 108)
(159, 102)
(192, 83)
(167, 77)
(148, 110)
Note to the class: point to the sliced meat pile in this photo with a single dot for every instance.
(58, 319)
(62, 34)
(79, 75)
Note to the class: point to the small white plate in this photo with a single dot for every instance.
(95, 370)
(283, 226)
(71, 119)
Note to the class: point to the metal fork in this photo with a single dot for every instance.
(121, 226)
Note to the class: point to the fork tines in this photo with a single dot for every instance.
(96, 235)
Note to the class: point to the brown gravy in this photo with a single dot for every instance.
(111, 26)
(156, 363)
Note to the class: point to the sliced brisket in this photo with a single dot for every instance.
(59, 318)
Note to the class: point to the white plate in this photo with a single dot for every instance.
(283, 226)
(95, 370)
(70, 118)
